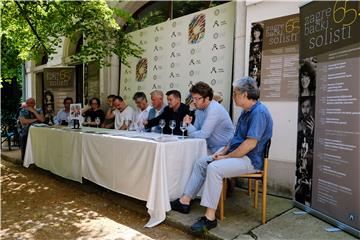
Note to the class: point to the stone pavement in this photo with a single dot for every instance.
(242, 221)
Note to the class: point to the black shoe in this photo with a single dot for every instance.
(203, 225)
(179, 207)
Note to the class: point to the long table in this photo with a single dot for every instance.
(130, 163)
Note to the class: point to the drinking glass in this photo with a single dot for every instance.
(183, 127)
(97, 121)
(162, 125)
(69, 121)
(172, 125)
(127, 123)
(88, 121)
(140, 126)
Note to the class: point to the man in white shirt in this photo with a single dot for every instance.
(142, 112)
(124, 114)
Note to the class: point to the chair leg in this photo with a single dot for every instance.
(263, 207)
(256, 193)
(224, 188)
(249, 186)
(220, 210)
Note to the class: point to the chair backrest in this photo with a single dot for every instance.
(267, 149)
(266, 156)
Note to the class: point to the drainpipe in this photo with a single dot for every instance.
(118, 90)
(23, 82)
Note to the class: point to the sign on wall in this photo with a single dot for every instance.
(328, 167)
(58, 83)
(274, 57)
(183, 51)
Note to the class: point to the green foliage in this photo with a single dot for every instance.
(10, 100)
(36, 28)
(11, 76)
(10, 62)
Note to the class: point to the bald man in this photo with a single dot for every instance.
(28, 115)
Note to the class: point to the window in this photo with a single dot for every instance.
(154, 13)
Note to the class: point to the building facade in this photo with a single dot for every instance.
(92, 81)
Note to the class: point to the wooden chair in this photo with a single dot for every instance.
(262, 175)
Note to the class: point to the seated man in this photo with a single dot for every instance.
(28, 115)
(142, 114)
(212, 121)
(176, 110)
(62, 117)
(93, 113)
(124, 114)
(157, 102)
(109, 115)
(244, 154)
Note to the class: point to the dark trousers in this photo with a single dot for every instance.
(23, 141)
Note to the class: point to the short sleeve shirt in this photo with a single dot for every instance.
(27, 115)
(256, 123)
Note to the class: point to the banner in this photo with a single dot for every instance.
(274, 57)
(59, 83)
(328, 166)
(183, 51)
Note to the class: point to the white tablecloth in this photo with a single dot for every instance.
(145, 169)
(56, 150)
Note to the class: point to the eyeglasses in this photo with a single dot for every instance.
(94, 103)
(197, 99)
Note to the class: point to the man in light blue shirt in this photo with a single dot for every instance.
(212, 121)
(62, 117)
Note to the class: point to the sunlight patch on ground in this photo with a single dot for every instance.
(105, 228)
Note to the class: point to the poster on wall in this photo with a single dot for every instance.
(328, 175)
(255, 53)
(274, 57)
(180, 52)
(59, 83)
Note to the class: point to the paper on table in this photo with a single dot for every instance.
(155, 137)
(40, 125)
(166, 138)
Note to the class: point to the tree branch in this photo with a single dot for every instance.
(31, 26)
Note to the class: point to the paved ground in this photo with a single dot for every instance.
(39, 205)
(36, 204)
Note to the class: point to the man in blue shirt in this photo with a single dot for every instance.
(28, 115)
(244, 154)
(212, 121)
